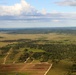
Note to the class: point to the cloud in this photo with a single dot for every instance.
(24, 11)
(67, 3)
(22, 8)
(56, 20)
(44, 11)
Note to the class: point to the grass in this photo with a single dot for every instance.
(15, 73)
(1, 59)
(50, 36)
(3, 44)
(57, 69)
(36, 50)
(20, 51)
(36, 61)
(61, 68)
(15, 56)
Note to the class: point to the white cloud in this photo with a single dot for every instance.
(67, 3)
(17, 9)
(25, 11)
(56, 20)
(44, 12)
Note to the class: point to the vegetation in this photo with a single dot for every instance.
(55, 48)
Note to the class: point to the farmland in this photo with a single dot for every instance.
(32, 53)
(30, 69)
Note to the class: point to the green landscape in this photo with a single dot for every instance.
(37, 37)
(35, 53)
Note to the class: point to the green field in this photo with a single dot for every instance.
(61, 68)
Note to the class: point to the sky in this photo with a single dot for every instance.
(37, 13)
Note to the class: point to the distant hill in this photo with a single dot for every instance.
(67, 30)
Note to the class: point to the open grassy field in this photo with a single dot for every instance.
(66, 38)
(49, 36)
(3, 44)
(61, 68)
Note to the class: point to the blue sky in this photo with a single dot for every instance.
(37, 13)
(49, 5)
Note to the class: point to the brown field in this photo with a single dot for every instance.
(33, 69)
